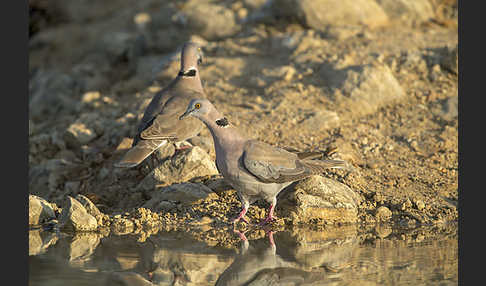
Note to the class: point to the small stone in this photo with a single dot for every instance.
(407, 204)
(419, 204)
(80, 133)
(90, 96)
(383, 214)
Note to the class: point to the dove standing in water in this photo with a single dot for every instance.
(253, 168)
(160, 123)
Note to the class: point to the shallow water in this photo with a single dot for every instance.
(337, 256)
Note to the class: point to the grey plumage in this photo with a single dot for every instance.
(253, 168)
(159, 124)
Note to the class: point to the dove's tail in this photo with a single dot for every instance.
(139, 152)
(319, 166)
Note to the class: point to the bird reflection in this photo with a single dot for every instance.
(259, 262)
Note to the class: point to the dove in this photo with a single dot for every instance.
(255, 169)
(159, 124)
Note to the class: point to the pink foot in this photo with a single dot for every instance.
(241, 235)
(183, 147)
(269, 217)
(241, 216)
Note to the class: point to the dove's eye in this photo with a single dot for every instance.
(197, 105)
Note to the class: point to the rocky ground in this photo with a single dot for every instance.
(373, 82)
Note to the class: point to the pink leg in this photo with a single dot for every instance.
(241, 216)
(269, 217)
(241, 235)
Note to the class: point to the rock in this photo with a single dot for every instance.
(363, 89)
(40, 240)
(122, 46)
(416, 11)
(205, 142)
(446, 57)
(181, 167)
(121, 226)
(419, 204)
(84, 130)
(211, 21)
(320, 120)
(184, 193)
(74, 217)
(90, 96)
(383, 214)
(90, 207)
(320, 14)
(51, 93)
(254, 4)
(79, 134)
(40, 211)
(449, 59)
(317, 199)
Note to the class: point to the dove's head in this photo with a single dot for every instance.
(198, 108)
(191, 58)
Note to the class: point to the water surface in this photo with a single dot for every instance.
(337, 256)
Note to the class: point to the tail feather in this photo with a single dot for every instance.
(139, 152)
(319, 166)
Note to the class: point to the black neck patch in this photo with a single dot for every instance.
(191, 72)
(222, 122)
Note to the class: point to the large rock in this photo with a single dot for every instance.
(90, 208)
(320, 120)
(320, 14)
(409, 11)
(319, 200)
(185, 193)
(74, 217)
(363, 89)
(211, 21)
(181, 167)
(40, 210)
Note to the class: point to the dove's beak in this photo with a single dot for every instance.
(187, 113)
(200, 57)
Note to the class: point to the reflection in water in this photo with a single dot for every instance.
(292, 257)
(261, 265)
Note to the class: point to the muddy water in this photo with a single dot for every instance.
(337, 256)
